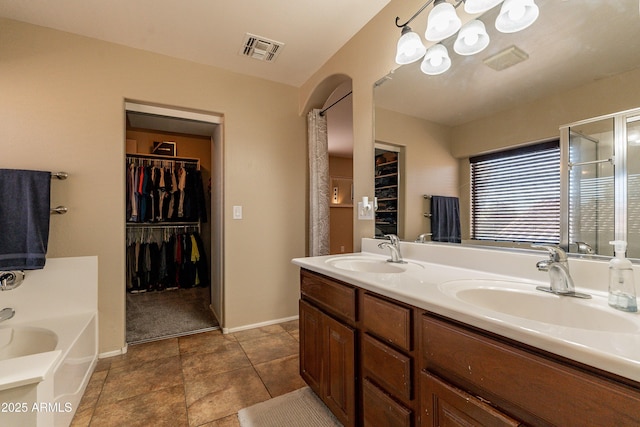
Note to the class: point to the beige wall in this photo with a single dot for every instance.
(62, 108)
(542, 119)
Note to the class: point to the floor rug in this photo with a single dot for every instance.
(300, 408)
(158, 315)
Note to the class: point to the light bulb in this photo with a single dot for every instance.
(516, 15)
(517, 12)
(436, 61)
(442, 22)
(410, 47)
(471, 39)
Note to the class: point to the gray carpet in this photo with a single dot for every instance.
(298, 408)
(157, 315)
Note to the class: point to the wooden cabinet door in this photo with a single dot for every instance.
(311, 346)
(380, 410)
(339, 370)
(444, 405)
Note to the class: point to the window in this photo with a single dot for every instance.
(515, 195)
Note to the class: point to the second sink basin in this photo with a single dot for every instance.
(370, 265)
(524, 301)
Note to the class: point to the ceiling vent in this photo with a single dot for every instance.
(506, 58)
(260, 48)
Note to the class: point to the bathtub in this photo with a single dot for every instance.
(49, 349)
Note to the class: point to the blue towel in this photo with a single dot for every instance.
(24, 218)
(445, 219)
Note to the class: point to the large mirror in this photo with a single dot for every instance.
(581, 61)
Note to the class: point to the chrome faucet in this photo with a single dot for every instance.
(394, 246)
(557, 265)
(584, 248)
(6, 314)
(423, 238)
(10, 279)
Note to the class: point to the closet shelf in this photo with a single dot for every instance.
(162, 224)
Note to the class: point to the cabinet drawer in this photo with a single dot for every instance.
(387, 367)
(444, 405)
(389, 321)
(337, 298)
(533, 388)
(380, 410)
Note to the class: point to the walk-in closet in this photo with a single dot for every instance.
(168, 228)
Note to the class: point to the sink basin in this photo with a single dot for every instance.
(23, 341)
(524, 301)
(371, 265)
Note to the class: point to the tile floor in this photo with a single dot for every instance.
(196, 380)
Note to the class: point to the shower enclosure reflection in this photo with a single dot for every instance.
(602, 167)
(591, 190)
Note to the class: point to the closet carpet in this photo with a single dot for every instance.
(157, 315)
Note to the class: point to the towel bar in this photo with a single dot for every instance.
(58, 210)
(59, 175)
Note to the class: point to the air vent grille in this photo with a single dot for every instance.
(506, 58)
(260, 48)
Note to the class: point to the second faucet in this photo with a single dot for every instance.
(394, 246)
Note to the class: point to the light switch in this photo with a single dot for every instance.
(237, 212)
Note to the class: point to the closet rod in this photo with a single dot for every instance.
(163, 158)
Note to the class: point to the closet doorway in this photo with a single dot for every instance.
(174, 228)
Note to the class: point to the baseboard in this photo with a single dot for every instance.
(120, 352)
(258, 325)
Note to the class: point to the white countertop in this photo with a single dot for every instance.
(615, 352)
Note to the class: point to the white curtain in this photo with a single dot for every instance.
(318, 184)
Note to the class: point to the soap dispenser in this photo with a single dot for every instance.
(622, 292)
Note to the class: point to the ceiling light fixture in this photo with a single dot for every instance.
(443, 22)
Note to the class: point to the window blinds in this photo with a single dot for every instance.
(515, 195)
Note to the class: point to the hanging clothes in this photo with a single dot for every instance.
(161, 260)
(164, 191)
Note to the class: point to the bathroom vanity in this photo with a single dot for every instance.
(393, 345)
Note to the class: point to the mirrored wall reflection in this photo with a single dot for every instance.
(602, 163)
